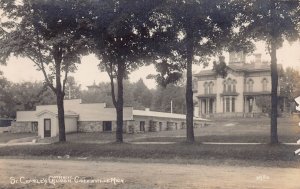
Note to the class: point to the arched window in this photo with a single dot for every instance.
(250, 85)
(205, 88)
(210, 87)
(224, 86)
(264, 84)
(234, 86)
(229, 85)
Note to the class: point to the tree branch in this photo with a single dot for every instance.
(109, 71)
(41, 66)
(66, 76)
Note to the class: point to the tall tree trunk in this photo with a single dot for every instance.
(189, 93)
(119, 104)
(60, 106)
(59, 95)
(61, 116)
(274, 98)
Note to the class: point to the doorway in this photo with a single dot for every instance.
(47, 127)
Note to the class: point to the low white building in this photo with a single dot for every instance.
(96, 117)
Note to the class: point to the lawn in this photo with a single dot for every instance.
(221, 130)
(258, 155)
(227, 130)
(5, 137)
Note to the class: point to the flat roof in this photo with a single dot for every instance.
(148, 113)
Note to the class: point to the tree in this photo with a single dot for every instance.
(190, 30)
(272, 21)
(102, 94)
(142, 95)
(50, 34)
(163, 96)
(264, 102)
(289, 85)
(27, 95)
(220, 67)
(6, 102)
(121, 39)
(72, 88)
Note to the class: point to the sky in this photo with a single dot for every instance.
(22, 69)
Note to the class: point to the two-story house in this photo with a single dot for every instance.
(235, 95)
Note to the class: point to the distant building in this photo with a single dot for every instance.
(93, 88)
(96, 117)
(237, 94)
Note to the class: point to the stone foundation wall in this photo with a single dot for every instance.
(5, 129)
(21, 127)
(90, 126)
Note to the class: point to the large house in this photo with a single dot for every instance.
(237, 94)
(96, 117)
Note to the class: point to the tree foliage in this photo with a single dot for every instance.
(121, 40)
(220, 67)
(50, 34)
(272, 21)
(192, 31)
(6, 106)
(72, 90)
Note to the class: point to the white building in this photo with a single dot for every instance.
(96, 117)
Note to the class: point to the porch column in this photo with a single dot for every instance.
(230, 104)
(224, 104)
(254, 108)
(206, 106)
(244, 108)
(200, 107)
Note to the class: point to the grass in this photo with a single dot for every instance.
(222, 130)
(269, 155)
(5, 137)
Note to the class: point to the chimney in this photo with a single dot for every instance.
(237, 57)
(257, 58)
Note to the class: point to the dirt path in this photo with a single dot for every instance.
(142, 175)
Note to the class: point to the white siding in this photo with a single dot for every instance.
(24, 116)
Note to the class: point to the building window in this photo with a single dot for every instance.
(227, 104)
(142, 126)
(264, 84)
(233, 105)
(107, 126)
(160, 126)
(210, 87)
(250, 85)
(228, 83)
(205, 88)
(182, 125)
(229, 86)
(34, 126)
(234, 86)
(229, 89)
